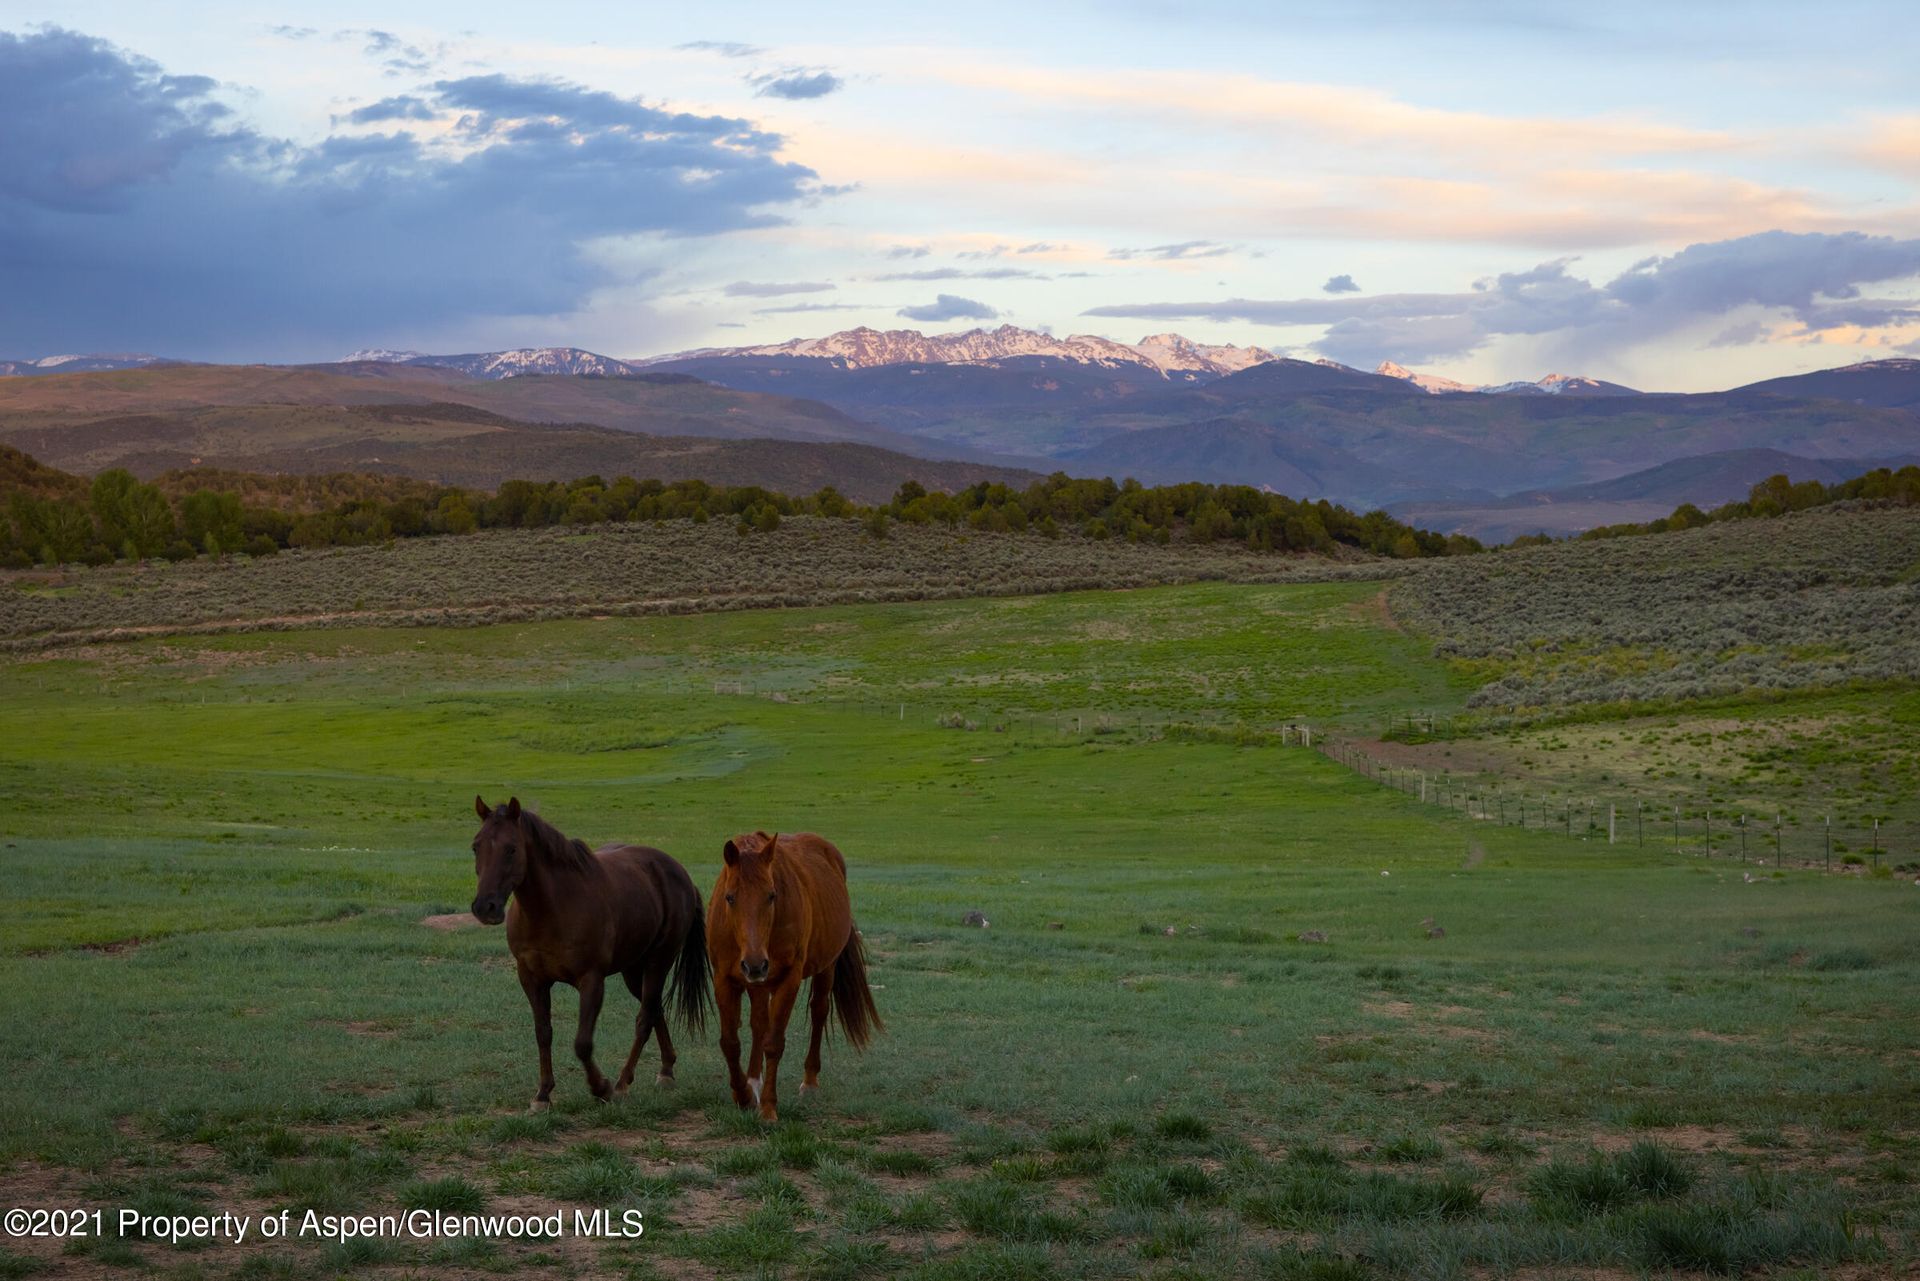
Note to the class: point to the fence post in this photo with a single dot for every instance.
(1639, 823)
(1776, 838)
(1612, 813)
(1829, 842)
(1876, 842)
(1709, 831)
(1743, 838)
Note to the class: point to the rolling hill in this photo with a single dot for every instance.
(659, 403)
(1706, 481)
(455, 444)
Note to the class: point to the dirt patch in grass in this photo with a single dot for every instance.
(114, 948)
(450, 921)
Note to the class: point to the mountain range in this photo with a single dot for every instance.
(1551, 385)
(1169, 355)
(1008, 402)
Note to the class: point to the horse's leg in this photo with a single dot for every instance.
(756, 1058)
(593, 989)
(657, 1002)
(817, 1008)
(726, 995)
(780, 1009)
(540, 997)
(642, 1028)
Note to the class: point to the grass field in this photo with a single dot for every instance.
(219, 851)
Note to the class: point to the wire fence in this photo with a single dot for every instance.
(1763, 837)
(1771, 837)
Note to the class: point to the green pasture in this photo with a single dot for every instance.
(1512, 1054)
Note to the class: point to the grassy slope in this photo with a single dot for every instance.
(271, 813)
(677, 566)
(1757, 668)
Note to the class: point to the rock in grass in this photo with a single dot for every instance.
(1437, 932)
(1312, 936)
(976, 919)
(1056, 925)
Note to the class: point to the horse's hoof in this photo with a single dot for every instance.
(753, 1083)
(805, 1090)
(769, 1115)
(619, 1092)
(664, 1081)
(539, 1105)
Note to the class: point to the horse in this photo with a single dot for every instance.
(579, 915)
(779, 916)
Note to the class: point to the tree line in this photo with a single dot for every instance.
(1777, 495)
(53, 518)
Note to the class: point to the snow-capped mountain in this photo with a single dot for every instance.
(1433, 384)
(508, 364)
(91, 362)
(1168, 354)
(1551, 385)
(379, 356)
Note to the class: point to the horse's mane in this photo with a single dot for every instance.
(546, 842)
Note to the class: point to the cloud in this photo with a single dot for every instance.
(1812, 278)
(950, 307)
(287, 32)
(792, 308)
(908, 251)
(394, 53)
(725, 48)
(1340, 285)
(1741, 335)
(756, 289)
(1346, 115)
(796, 83)
(140, 214)
(956, 273)
(400, 107)
(1185, 249)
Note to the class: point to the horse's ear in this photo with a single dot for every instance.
(480, 808)
(731, 853)
(513, 809)
(772, 846)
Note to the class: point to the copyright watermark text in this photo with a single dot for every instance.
(311, 1225)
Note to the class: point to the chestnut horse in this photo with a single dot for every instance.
(780, 916)
(580, 915)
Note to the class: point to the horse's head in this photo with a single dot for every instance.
(499, 859)
(747, 886)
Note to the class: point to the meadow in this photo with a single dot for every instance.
(1238, 1011)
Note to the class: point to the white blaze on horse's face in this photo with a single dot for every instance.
(752, 900)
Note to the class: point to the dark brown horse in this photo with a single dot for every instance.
(780, 916)
(580, 915)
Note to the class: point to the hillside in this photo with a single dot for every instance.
(635, 568)
(1706, 480)
(657, 403)
(1888, 383)
(453, 444)
(1814, 600)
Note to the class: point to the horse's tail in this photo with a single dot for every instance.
(852, 998)
(689, 988)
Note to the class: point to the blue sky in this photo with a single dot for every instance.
(1673, 196)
